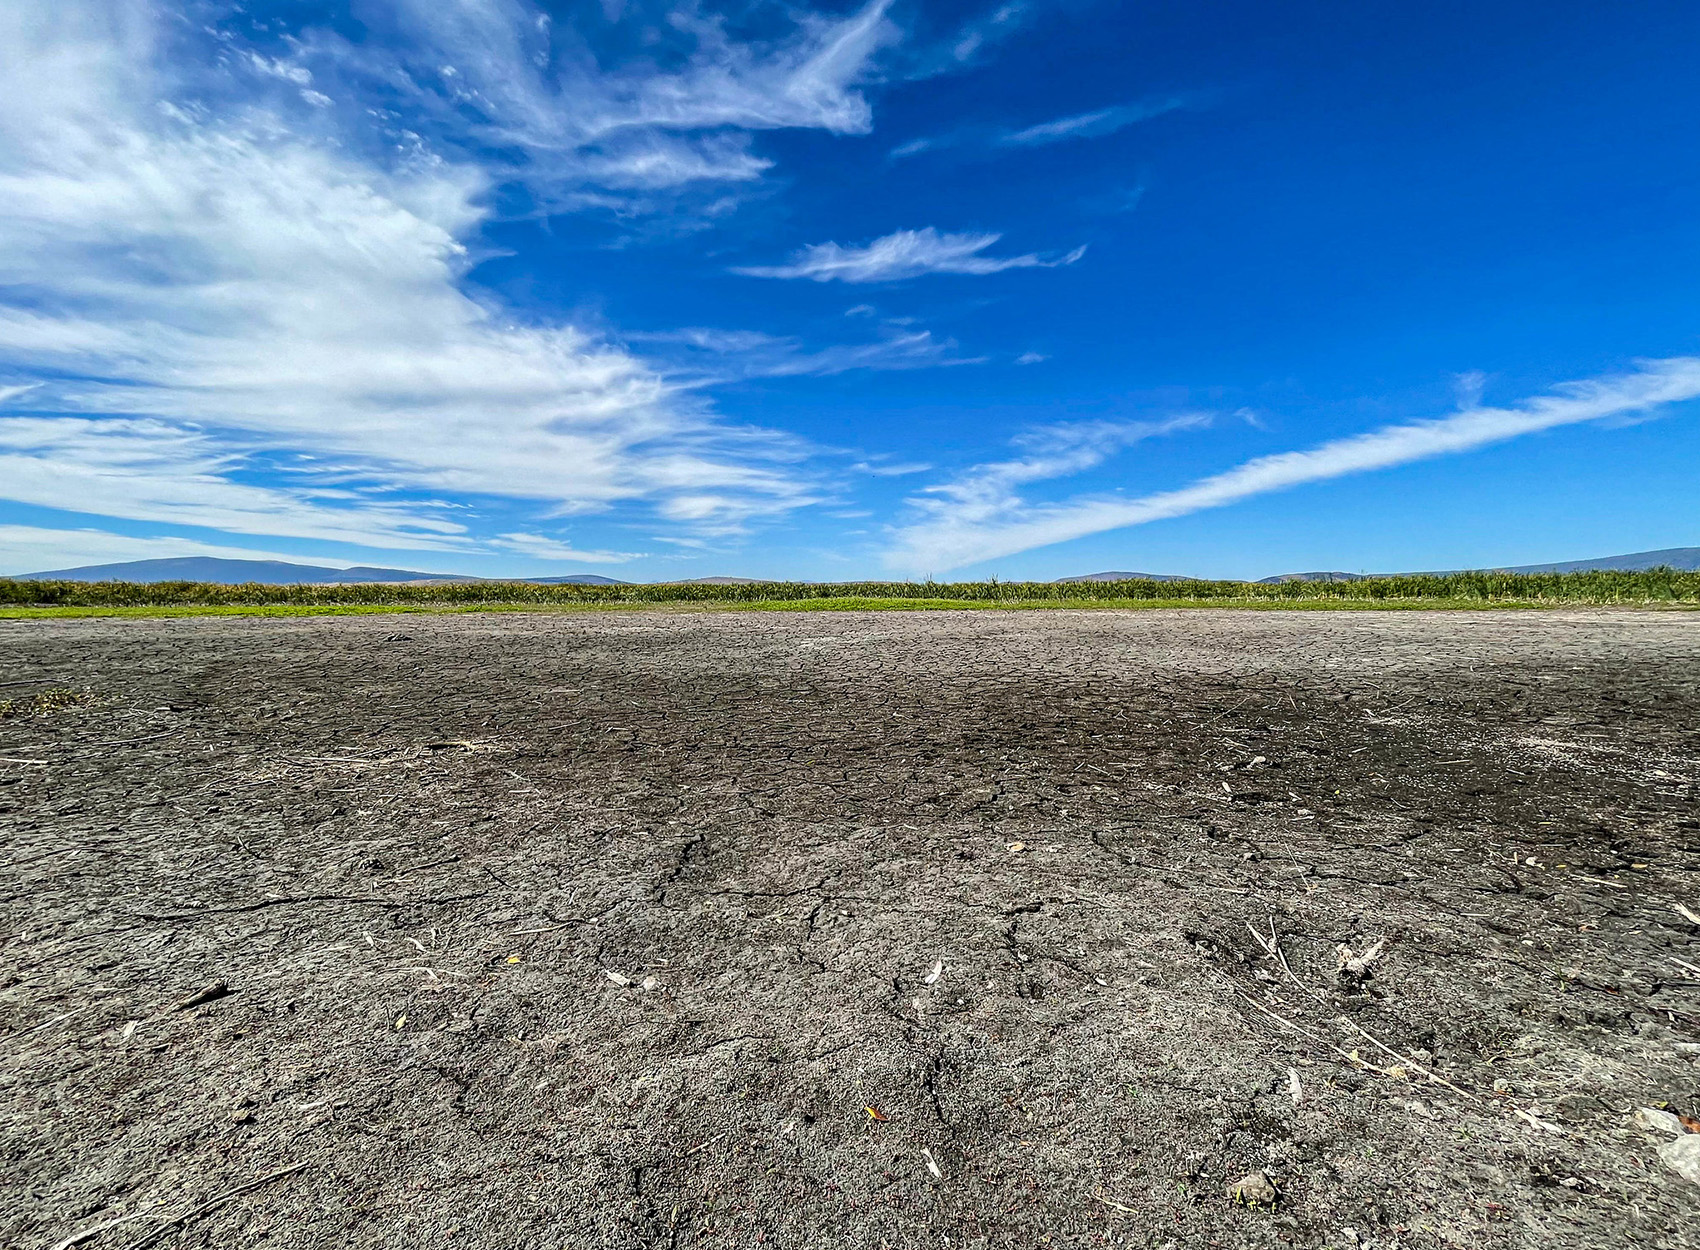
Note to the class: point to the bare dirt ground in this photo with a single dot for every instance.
(616, 930)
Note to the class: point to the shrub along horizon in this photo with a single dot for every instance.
(1654, 586)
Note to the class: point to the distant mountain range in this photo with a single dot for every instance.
(1312, 577)
(1127, 577)
(577, 579)
(1686, 559)
(282, 573)
(274, 573)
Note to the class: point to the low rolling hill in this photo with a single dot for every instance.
(273, 573)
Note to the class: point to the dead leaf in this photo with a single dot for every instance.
(1689, 1122)
(617, 978)
(1017, 846)
(878, 1116)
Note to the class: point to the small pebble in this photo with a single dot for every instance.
(1256, 1189)
(1682, 1156)
(1657, 1121)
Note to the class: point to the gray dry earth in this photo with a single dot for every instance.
(417, 848)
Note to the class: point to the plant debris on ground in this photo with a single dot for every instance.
(1351, 930)
(44, 702)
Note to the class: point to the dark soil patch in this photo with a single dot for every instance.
(348, 893)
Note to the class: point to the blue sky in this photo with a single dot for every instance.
(882, 290)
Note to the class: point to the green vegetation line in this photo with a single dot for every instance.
(1658, 587)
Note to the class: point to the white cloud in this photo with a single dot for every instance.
(986, 496)
(205, 291)
(1090, 125)
(700, 357)
(544, 548)
(981, 518)
(904, 254)
(1031, 358)
(300, 75)
(689, 544)
(504, 76)
(150, 470)
(879, 468)
(33, 549)
(1094, 124)
(948, 43)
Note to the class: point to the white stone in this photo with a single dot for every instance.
(1682, 1156)
(1658, 1121)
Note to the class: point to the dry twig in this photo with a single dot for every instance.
(1115, 1206)
(77, 1239)
(1351, 1057)
(149, 1238)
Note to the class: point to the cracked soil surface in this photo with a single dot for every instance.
(618, 929)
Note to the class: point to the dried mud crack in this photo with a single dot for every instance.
(952, 929)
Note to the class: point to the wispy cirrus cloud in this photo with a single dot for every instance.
(698, 356)
(904, 254)
(1090, 125)
(543, 547)
(149, 470)
(987, 495)
(979, 34)
(981, 517)
(209, 284)
(503, 77)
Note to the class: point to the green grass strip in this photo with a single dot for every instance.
(859, 604)
(1667, 587)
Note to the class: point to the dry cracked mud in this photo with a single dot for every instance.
(955, 929)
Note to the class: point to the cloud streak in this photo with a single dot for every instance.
(542, 547)
(149, 470)
(904, 254)
(699, 356)
(986, 496)
(1091, 125)
(975, 520)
